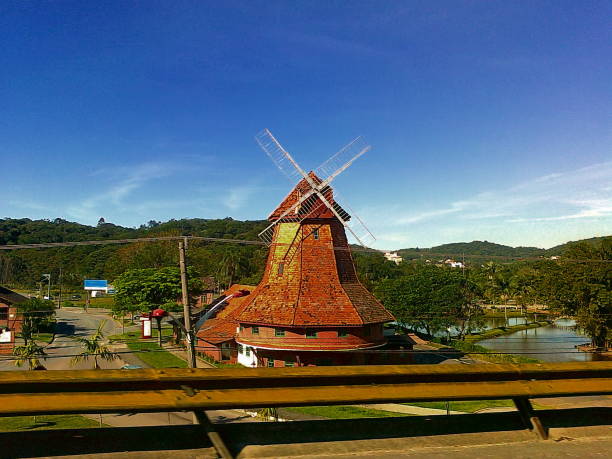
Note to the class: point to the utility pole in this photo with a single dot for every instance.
(59, 296)
(186, 309)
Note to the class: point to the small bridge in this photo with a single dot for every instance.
(198, 390)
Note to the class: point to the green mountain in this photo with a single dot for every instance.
(558, 249)
(227, 262)
(484, 249)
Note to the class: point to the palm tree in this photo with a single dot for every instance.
(94, 348)
(232, 265)
(30, 353)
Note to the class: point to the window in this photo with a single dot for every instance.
(281, 268)
(254, 330)
(315, 233)
(270, 363)
(311, 333)
(247, 351)
(279, 332)
(240, 349)
(3, 314)
(241, 327)
(342, 334)
(289, 364)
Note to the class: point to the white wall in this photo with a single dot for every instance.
(247, 360)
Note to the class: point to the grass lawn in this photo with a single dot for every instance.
(101, 302)
(43, 337)
(492, 333)
(469, 406)
(344, 412)
(156, 356)
(47, 422)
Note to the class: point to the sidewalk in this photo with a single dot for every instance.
(407, 409)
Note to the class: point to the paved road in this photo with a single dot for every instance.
(74, 322)
(70, 323)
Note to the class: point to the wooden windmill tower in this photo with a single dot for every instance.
(310, 308)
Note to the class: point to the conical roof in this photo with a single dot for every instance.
(313, 207)
(310, 278)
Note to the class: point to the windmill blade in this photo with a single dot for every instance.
(302, 209)
(279, 156)
(356, 227)
(340, 161)
(344, 218)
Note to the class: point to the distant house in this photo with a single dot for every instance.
(453, 263)
(10, 321)
(210, 289)
(394, 257)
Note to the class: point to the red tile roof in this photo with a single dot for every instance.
(222, 327)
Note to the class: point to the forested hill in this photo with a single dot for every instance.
(226, 262)
(486, 248)
(26, 231)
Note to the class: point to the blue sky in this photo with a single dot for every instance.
(488, 120)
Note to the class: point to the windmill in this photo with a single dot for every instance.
(318, 192)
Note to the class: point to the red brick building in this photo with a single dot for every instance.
(310, 308)
(217, 336)
(10, 321)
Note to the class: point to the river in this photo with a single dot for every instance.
(552, 343)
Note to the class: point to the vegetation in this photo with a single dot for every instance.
(149, 352)
(30, 354)
(38, 316)
(29, 423)
(94, 349)
(344, 412)
(469, 406)
(150, 288)
(499, 331)
(487, 355)
(431, 298)
(23, 267)
(421, 292)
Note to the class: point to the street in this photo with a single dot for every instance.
(74, 322)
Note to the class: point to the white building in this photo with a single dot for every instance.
(453, 263)
(394, 257)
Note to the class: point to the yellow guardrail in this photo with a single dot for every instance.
(117, 391)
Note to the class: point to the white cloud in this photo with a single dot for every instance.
(126, 181)
(582, 196)
(238, 197)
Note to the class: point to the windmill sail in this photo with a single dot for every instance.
(279, 156)
(316, 193)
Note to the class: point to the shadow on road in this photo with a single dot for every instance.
(64, 328)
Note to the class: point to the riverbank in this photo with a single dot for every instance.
(478, 352)
(500, 331)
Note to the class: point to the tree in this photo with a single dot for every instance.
(431, 299)
(94, 348)
(37, 314)
(30, 353)
(146, 289)
(232, 265)
(581, 285)
(469, 314)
